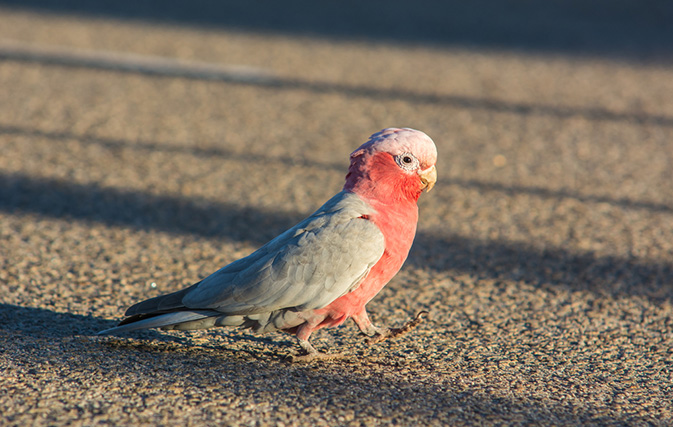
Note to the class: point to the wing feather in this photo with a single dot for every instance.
(307, 267)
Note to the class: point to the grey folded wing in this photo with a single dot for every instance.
(307, 267)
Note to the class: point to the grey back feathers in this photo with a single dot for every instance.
(307, 267)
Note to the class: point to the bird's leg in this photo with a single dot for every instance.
(378, 334)
(366, 326)
(310, 353)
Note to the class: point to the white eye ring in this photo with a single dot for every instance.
(407, 161)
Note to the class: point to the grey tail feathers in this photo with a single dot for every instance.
(159, 312)
(159, 321)
(158, 305)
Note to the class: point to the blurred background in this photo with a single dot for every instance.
(619, 28)
(144, 144)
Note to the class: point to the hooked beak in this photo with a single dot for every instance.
(428, 177)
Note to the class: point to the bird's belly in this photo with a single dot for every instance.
(354, 302)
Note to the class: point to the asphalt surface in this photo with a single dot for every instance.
(136, 158)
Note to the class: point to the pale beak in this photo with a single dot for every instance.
(428, 177)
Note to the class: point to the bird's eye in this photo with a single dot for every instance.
(407, 161)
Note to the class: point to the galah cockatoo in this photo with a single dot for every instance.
(323, 270)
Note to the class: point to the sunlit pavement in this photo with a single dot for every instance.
(139, 155)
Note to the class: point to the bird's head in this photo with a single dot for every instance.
(394, 163)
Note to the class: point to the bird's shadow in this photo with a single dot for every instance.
(34, 336)
(40, 324)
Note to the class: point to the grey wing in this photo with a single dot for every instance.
(307, 267)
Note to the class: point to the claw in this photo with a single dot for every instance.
(310, 354)
(396, 332)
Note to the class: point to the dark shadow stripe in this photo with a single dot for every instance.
(165, 67)
(550, 267)
(624, 30)
(128, 208)
(546, 193)
(209, 152)
(434, 249)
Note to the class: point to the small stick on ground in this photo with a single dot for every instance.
(396, 332)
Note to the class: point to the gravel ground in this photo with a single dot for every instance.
(544, 254)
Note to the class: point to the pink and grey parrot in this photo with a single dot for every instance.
(323, 270)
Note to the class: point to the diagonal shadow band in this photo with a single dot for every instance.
(434, 249)
(121, 207)
(624, 30)
(546, 193)
(166, 67)
(550, 267)
(212, 151)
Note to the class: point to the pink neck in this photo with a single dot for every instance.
(376, 179)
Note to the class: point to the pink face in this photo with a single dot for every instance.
(394, 160)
